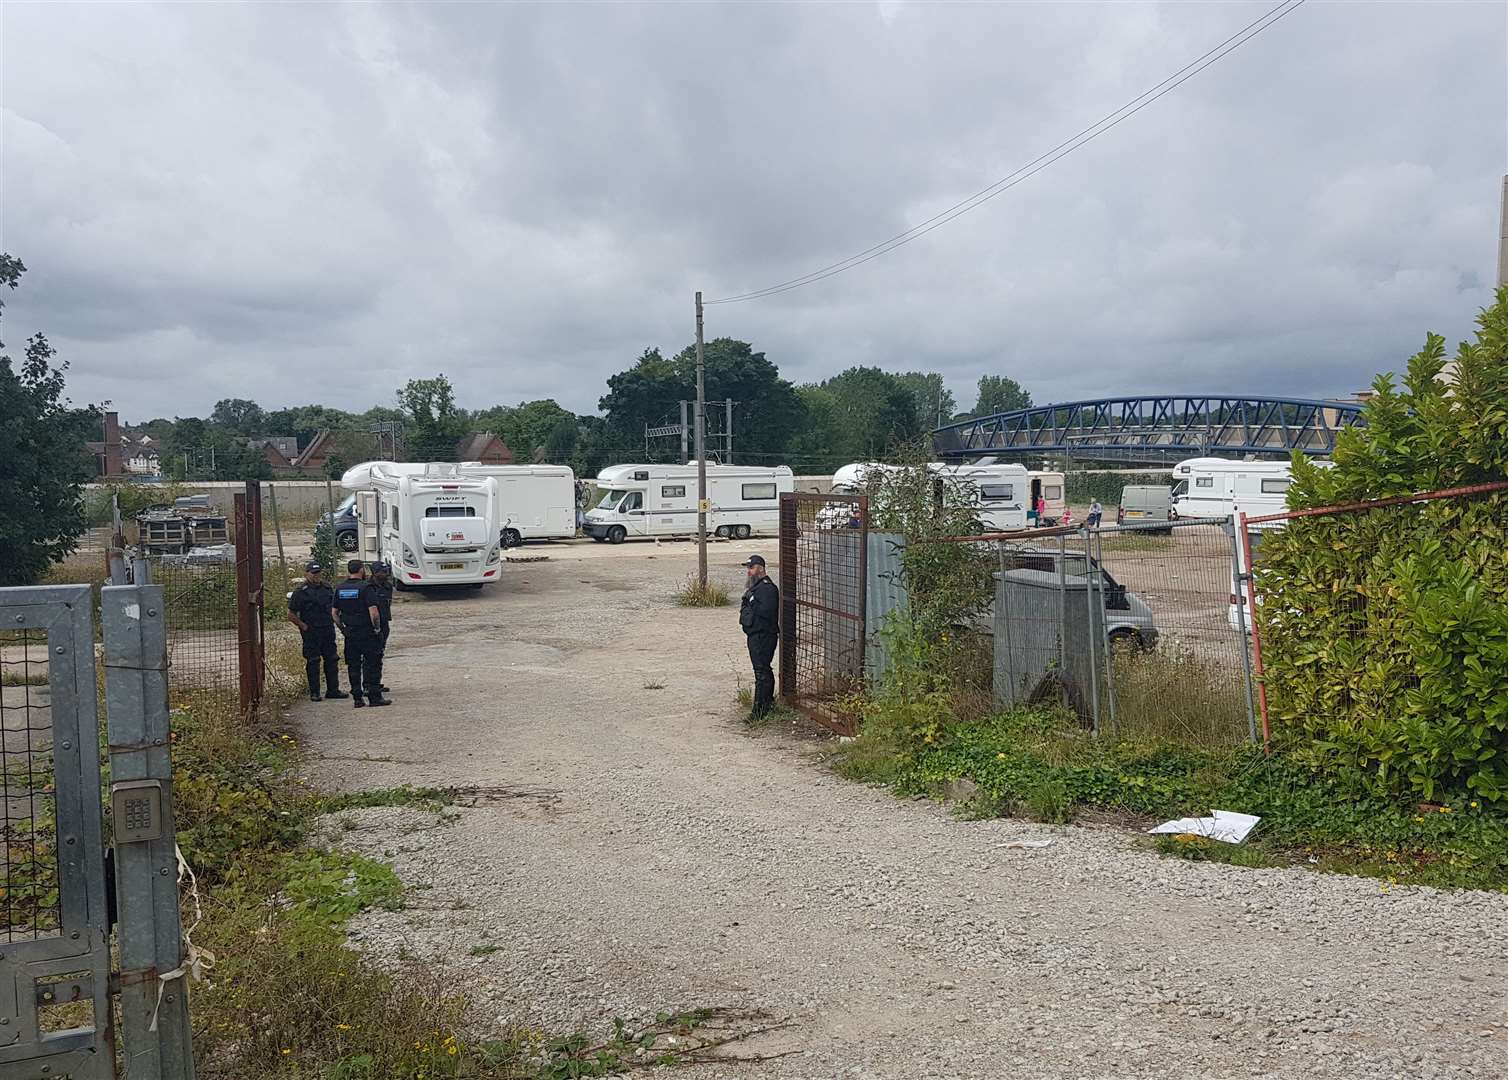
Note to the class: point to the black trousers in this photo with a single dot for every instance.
(364, 663)
(319, 647)
(761, 653)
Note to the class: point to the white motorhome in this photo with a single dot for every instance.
(999, 492)
(538, 502)
(432, 522)
(660, 500)
(1219, 487)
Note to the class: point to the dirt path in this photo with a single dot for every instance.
(641, 851)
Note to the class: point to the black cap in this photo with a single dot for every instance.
(382, 568)
(354, 566)
(312, 568)
(754, 560)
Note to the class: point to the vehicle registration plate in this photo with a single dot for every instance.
(452, 566)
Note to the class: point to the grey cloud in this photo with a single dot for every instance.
(274, 201)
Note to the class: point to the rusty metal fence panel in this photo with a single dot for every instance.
(823, 574)
(54, 945)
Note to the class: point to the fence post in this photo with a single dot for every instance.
(1238, 602)
(1099, 562)
(1256, 632)
(155, 1032)
(254, 596)
(788, 596)
(1063, 617)
(1094, 668)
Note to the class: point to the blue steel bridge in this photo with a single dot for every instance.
(1155, 430)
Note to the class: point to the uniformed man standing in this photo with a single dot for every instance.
(309, 609)
(361, 621)
(760, 617)
(382, 584)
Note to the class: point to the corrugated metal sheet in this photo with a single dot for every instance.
(884, 592)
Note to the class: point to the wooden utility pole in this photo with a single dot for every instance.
(701, 455)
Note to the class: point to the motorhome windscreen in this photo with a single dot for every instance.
(612, 498)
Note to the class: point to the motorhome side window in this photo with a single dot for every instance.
(673, 491)
(395, 515)
(1204, 481)
(758, 491)
(1052, 491)
(632, 501)
(449, 511)
(1276, 485)
(997, 492)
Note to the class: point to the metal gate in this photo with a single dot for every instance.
(55, 955)
(823, 566)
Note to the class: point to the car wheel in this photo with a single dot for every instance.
(346, 540)
(617, 534)
(1125, 639)
(511, 538)
(742, 532)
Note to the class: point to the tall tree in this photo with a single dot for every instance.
(1000, 393)
(873, 413)
(45, 464)
(435, 422)
(534, 430)
(934, 401)
(239, 415)
(767, 412)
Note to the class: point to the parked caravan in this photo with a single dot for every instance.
(1048, 493)
(437, 526)
(998, 492)
(660, 500)
(1145, 504)
(1218, 487)
(537, 502)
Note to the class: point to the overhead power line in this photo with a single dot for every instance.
(1031, 168)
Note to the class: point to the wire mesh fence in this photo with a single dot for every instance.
(31, 904)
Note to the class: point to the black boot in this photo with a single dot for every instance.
(358, 703)
(314, 694)
(377, 699)
(336, 694)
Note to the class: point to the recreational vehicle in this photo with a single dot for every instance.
(433, 523)
(998, 492)
(1218, 487)
(660, 500)
(1047, 490)
(537, 502)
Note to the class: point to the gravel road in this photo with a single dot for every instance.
(638, 850)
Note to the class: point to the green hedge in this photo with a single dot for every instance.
(1106, 487)
(1385, 632)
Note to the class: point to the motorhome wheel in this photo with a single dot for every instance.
(617, 534)
(741, 532)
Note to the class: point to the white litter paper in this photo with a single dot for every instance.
(1223, 825)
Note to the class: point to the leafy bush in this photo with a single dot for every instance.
(693, 594)
(1085, 487)
(1385, 632)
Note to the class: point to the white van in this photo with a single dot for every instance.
(436, 526)
(1218, 487)
(998, 492)
(660, 500)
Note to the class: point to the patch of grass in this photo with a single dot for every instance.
(693, 594)
(1030, 758)
(23, 678)
(486, 948)
(418, 798)
(1203, 849)
(654, 686)
(1178, 695)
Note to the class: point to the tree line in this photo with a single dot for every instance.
(858, 414)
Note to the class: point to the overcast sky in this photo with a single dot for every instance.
(319, 202)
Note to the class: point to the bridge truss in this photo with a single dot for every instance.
(1154, 429)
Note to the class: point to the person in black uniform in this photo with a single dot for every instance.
(382, 583)
(759, 615)
(309, 610)
(361, 622)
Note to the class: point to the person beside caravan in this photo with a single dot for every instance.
(1095, 511)
(309, 609)
(759, 615)
(382, 584)
(361, 622)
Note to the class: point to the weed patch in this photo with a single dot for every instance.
(693, 594)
